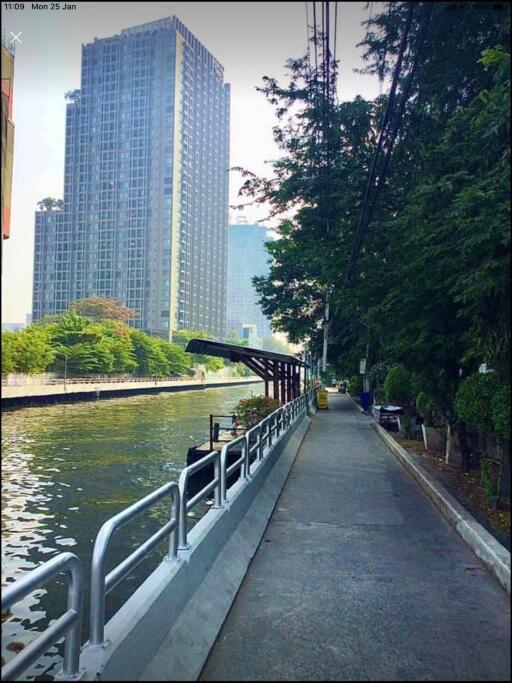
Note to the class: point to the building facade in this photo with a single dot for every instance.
(145, 184)
(247, 258)
(7, 134)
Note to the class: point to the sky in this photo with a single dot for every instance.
(250, 39)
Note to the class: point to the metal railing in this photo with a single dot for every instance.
(258, 441)
(242, 464)
(214, 485)
(101, 584)
(216, 428)
(67, 625)
(110, 379)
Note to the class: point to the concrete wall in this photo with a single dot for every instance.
(35, 393)
(167, 627)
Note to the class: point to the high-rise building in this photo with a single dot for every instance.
(247, 257)
(7, 133)
(145, 184)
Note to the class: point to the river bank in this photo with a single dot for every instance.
(91, 389)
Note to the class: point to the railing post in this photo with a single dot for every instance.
(75, 601)
(175, 515)
(246, 463)
(97, 597)
(217, 475)
(183, 545)
(260, 442)
(223, 475)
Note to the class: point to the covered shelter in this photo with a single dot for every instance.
(279, 371)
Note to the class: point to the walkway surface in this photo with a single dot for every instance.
(359, 577)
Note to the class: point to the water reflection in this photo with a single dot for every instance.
(67, 468)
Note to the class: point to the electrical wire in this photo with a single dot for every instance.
(382, 136)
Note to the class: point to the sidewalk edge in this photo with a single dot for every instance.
(495, 556)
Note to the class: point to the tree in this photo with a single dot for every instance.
(8, 343)
(150, 356)
(50, 204)
(102, 308)
(182, 337)
(26, 351)
(431, 287)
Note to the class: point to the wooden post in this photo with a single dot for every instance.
(282, 371)
(276, 380)
(266, 378)
(289, 370)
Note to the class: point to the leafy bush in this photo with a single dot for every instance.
(500, 411)
(250, 411)
(474, 399)
(426, 405)
(355, 385)
(7, 352)
(28, 351)
(398, 385)
(488, 482)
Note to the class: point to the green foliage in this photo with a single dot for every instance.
(8, 343)
(473, 401)
(355, 385)
(211, 363)
(426, 405)
(74, 344)
(252, 410)
(500, 411)
(50, 204)
(431, 287)
(149, 353)
(397, 385)
(27, 351)
(488, 482)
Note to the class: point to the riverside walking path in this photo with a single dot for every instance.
(359, 577)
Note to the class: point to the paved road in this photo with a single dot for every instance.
(359, 577)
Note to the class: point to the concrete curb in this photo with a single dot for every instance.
(481, 542)
(356, 403)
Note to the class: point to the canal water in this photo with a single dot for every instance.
(69, 467)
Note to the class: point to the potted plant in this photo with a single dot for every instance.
(434, 432)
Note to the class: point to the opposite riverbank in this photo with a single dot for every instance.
(41, 394)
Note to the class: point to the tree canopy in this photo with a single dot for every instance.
(432, 284)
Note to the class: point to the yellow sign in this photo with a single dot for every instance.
(321, 399)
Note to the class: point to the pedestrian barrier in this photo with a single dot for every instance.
(259, 441)
(101, 584)
(67, 625)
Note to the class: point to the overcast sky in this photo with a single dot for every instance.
(250, 39)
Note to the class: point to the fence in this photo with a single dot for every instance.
(39, 380)
(67, 625)
(258, 442)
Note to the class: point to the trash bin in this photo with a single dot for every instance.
(364, 399)
(321, 399)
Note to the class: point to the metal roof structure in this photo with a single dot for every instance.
(279, 370)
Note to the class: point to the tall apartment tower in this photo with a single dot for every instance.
(247, 257)
(145, 216)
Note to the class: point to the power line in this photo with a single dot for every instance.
(382, 136)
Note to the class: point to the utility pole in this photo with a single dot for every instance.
(327, 325)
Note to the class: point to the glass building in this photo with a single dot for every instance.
(145, 184)
(247, 257)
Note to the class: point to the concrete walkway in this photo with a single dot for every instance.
(359, 577)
